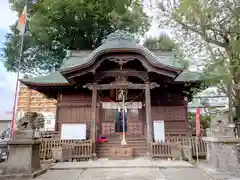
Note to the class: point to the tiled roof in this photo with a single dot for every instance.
(53, 78)
(188, 76)
(74, 60)
(57, 78)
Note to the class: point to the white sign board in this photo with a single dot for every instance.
(159, 131)
(73, 131)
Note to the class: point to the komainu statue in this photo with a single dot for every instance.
(31, 120)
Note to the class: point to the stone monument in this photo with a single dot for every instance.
(23, 160)
(223, 149)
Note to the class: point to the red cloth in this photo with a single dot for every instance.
(102, 139)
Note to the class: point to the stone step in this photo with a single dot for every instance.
(119, 144)
(128, 137)
(136, 149)
(135, 153)
(107, 147)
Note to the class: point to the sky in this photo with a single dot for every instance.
(7, 79)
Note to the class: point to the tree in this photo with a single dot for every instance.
(205, 119)
(216, 25)
(36, 58)
(56, 25)
(164, 43)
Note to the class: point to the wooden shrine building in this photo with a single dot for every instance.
(88, 83)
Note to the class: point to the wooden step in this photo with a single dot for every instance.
(138, 143)
(135, 153)
(119, 144)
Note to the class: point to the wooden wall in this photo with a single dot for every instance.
(175, 118)
(168, 104)
(74, 107)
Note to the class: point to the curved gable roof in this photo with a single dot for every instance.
(121, 43)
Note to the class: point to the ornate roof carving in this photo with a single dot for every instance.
(120, 35)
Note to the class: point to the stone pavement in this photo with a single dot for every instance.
(105, 163)
(137, 169)
(127, 174)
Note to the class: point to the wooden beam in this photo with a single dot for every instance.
(121, 85)
(124, 73)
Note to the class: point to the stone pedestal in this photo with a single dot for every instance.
(223, 154)
(23, 159)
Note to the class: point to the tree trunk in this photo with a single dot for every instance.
(237, 106)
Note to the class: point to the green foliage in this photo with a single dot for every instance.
(205, 119)
(163, 43)
(56, 25)
(18, 5)
(39, 123)
(217, 25)
(35, 57)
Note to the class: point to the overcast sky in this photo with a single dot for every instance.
(7, 80)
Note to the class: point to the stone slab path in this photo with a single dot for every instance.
(105, 163)
(127, 174)
(137, 169)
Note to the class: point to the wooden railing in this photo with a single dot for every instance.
(161, 150)
(79, 148)
(176, 143)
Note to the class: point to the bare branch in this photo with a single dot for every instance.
(203, 35)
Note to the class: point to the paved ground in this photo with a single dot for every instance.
(105, 163)
(137, 169)
(127, 174)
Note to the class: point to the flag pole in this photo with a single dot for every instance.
(15, 101)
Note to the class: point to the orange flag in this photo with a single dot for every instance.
(22, 21)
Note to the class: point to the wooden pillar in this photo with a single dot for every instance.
(59, 98)
(148, 117)
(93, 124)
(185, 101)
